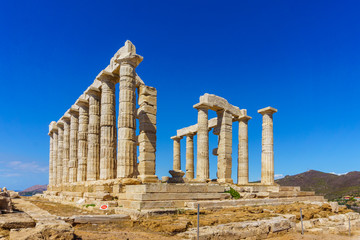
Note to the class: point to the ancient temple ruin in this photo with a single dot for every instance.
(93, 155)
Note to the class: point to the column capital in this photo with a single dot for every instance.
(128, 55)
(66, 118)
(244, 118)
(105, 76)
(93, 91)
(60, 124)
(176, 138)
(190, 134)
(52, 127)
(74, 110)
(81, 102)
(201, 106)
(267, 110)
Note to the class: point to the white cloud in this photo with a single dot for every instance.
(339, 174)
(277, 176)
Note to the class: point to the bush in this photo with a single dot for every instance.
(234, 194)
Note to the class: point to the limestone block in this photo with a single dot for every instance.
(147, 137)
(149, 156)
(146, 167)
(177, 176)
(147, 118)
(130, 181)
(127, 134)
(150, 100)
(147, 147)
(100, 219)
(147, 127)
(146, 108)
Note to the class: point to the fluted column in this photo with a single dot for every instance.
(267, 153)
(66, 148)
(243, 151)
(93, 157)
(55, 154)
(74, 128)
(189, 156)
(225, 147)
(176, 153)
(202, 166)
(51, 154)
(82, 139)
(126, 155)
(59, 165)
(107, 126)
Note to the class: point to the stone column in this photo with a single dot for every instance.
(147, 137)
(267, 153)
(55, 154)
(66, 148)
(82, 139)
(225, 147)
(126, 155)
(243, 151)
(93, 157)
(176, 153)
(59, 165)
(107, 126)
(189, 156)
(202, 166)
(51, 155)
(74, 128)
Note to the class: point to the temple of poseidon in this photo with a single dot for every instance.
(93, 155)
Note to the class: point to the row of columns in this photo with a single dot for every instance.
(224, 150)
(85, 144)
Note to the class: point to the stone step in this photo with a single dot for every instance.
(251, 202)
(175, 196)
(100, 218)
(138, 205)
(284, 194)
(175, 188)
(289, 188)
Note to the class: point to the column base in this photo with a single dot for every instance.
(225, 180)
(148, 178)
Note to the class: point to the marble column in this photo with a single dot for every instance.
(74, 128)
(55, 154)
(66, 148)
(189, 156)
(51, 154)
(267, 153)
(243, 151)
(202, 166)
(147, 135)
(225, 147)
(82, 138)
(127, 153)
(107, 126)
(176, 153)
(59, 165)
(93, 157)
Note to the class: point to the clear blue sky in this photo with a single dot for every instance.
(301, 57)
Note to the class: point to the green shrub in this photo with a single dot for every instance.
(234, 194)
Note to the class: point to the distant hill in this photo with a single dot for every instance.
(33, 190)
(330, 185)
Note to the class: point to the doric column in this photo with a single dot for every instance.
(66, 148)
(225, 147)
(126, 154)
(82, 138)
(93, 157)
(59, 165)
(267, 153)
(176, 153)
(147, 137)
(55, 154)
(243, 151)
(202, 166)
(74, 128)
(51, 154)
(189, 156)
(107, 126)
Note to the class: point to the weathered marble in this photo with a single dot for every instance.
(51, 154)
(66, 148)
(126, 155)
(55, 155)
(59, 165)
(93, 157)
(82, 138)
(202, 166)
(74, 128)
(224, 147)
(107, 126)
(267, 153)
(189, 165)
(243, 151)
(176, 153)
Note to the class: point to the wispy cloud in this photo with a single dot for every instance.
(339, 174)
(19, 168)
(277, 176)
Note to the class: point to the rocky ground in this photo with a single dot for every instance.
(176, 226)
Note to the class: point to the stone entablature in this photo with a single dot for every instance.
(88, 143)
